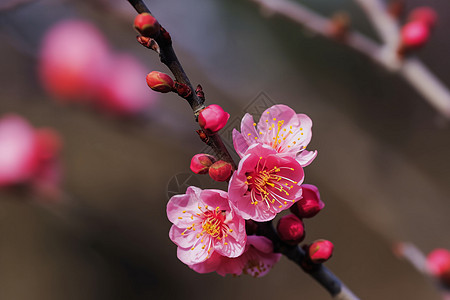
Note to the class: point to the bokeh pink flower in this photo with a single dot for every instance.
(76, 64)
(28, 155)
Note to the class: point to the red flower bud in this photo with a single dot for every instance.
(160, 82)
(290, 229)
(415, 34)
(310, 204)
(200, 163)
(426, 15)
(220, 171)
(213, 118)
(438, 264)
(146, 25)
(320, 251)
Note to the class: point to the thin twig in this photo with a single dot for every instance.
(169, 58)
(411, 69)
(319, 272)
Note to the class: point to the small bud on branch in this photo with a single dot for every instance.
(147, 25)
(160, 82)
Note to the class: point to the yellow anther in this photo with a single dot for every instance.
(249, 134)
(180, 218)
(254, 124)
(184, 211)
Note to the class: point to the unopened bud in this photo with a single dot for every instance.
(213, 118)
(425, 15)
(310, 204)
(146, 25)
(438, 264)
(290, 229)
(220, 171)
(160, 82)
(414, 35)
(320, 251)
(200, 163)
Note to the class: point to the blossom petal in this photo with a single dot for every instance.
(240, 143)
(305, 158)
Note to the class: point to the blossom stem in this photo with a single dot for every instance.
(318, 271)
(169, 58)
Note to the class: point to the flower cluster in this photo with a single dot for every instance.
(209, 225)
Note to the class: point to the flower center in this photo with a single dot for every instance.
(265, 184)
(213, 223)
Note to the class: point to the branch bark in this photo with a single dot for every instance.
(169, 58)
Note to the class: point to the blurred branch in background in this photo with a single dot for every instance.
(385, 54)
(421, 263)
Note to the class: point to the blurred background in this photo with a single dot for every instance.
(382, 170)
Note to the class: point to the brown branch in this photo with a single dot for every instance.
(317, 271)
(169, 58)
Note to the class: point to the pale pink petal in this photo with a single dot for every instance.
(248, 130)
(305, 158)
(193, 255)
(209, 265)
(278, 112)
(240, 144)
(182, 238)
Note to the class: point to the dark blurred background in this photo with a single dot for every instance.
(382, 170)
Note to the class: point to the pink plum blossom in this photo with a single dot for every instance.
(28, 155)
(265, 183)
(203, 224)
(257, 260)
(280, 128)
